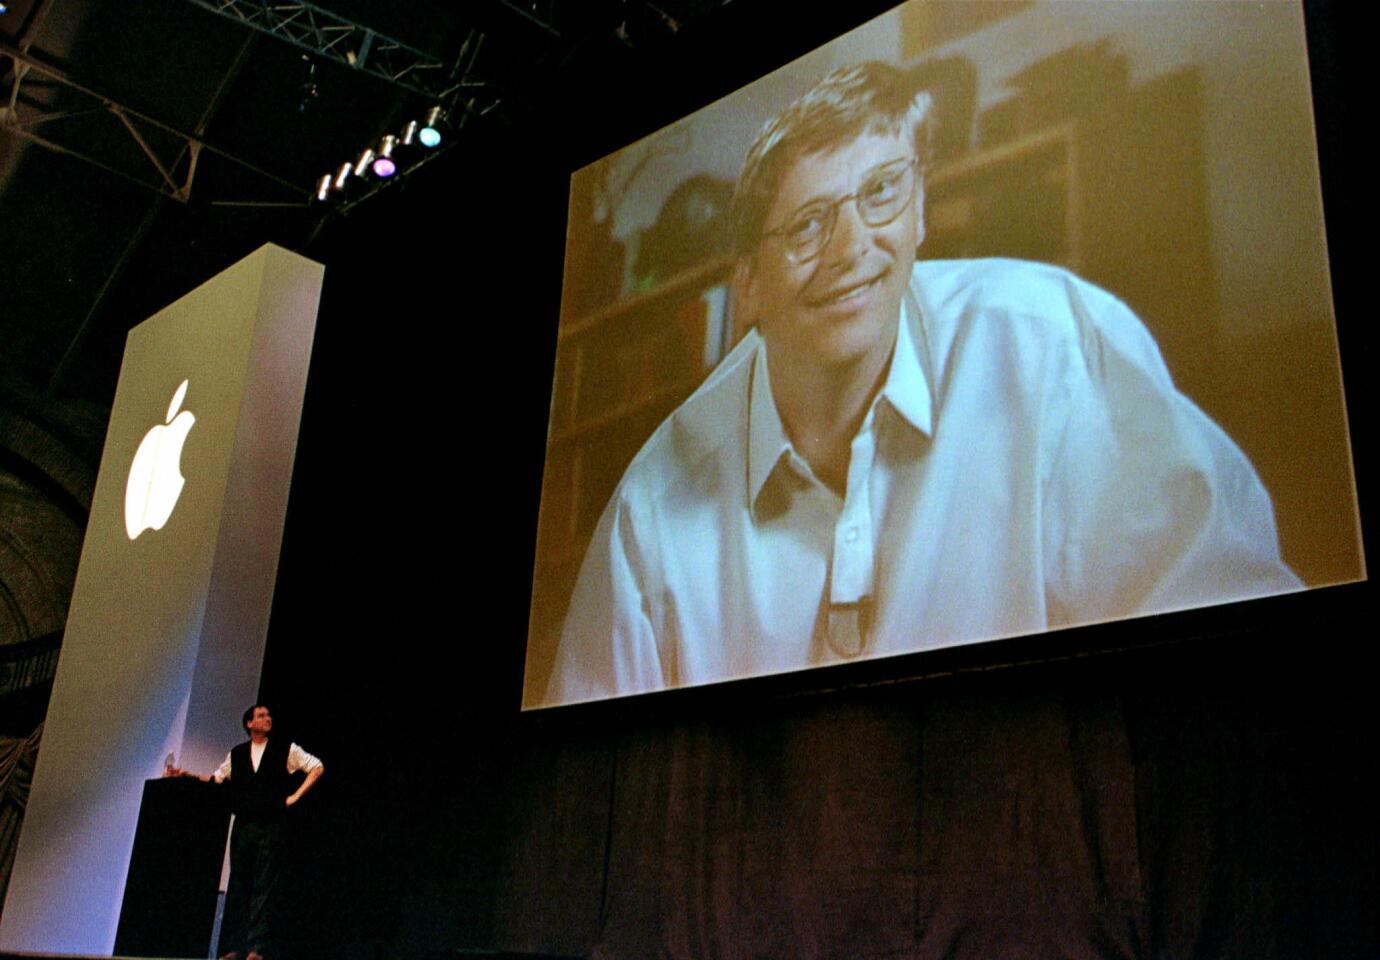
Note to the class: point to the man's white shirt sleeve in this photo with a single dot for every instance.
(297, 760)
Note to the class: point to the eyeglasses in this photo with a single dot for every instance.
(885, 192)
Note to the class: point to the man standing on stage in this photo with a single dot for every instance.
(258, 774)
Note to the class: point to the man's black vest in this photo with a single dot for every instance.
(260, 795)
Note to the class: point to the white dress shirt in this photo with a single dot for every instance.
(1027, 464)
(297, 760)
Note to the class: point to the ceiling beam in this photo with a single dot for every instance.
(333, 37)
(21, 125)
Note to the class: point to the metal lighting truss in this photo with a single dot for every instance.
(333, 37)
(22, 117)
(302, 24)
(456, 87)
(540, 12)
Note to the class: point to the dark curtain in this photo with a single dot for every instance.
(17, 757)
(1139, 811)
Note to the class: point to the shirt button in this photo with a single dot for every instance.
(851, 534)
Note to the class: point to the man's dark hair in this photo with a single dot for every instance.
(869, 97)
(249, 715)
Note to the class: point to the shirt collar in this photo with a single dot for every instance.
(767, 443)
(907, 390)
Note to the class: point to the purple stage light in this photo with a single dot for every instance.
(384, 165)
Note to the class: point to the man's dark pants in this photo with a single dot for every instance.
(255, 861)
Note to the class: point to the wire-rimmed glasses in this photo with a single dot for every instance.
(883, 195)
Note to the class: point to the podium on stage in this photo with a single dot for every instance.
(169, 906)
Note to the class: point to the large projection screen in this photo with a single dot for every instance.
(1107, 385)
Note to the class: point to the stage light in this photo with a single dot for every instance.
(430, 134)
(366, 157)
(384, 160)
(384, 166)
(342, 176)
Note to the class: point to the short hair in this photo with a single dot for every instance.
(869, 97)
(249, 715)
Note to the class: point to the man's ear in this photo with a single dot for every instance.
(745, 296)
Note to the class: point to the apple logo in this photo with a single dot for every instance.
(155, 477)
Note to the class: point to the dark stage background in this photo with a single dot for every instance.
(1186, 786)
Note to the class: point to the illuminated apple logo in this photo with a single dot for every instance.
(155, 477)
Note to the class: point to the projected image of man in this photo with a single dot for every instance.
(259, 775)
(901, 455)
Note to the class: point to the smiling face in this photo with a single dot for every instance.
(841, 306)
